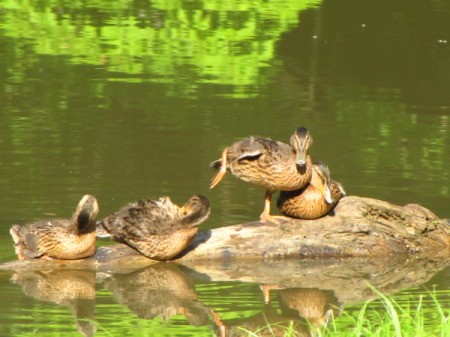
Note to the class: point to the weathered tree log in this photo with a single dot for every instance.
(358, 227)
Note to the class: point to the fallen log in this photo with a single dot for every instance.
(358, 227)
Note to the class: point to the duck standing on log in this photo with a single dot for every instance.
(268, 163)
(157, 229)
(315, 199)
(67, 239)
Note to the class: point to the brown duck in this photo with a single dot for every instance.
(158, 229)
(67, 239)
(314, 200)
(267, 163)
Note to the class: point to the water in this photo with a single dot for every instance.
(135, 99)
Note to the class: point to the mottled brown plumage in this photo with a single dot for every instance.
(158, 229)
(314, 200)
(67, 239)
(267, 163)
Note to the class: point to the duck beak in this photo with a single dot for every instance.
(300, 161)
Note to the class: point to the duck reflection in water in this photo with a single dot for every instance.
(72, 288)
(303, 310)
(317, 306)
(160, 290)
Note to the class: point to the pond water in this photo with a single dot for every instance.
(134, 99)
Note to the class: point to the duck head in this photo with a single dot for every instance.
(321, 180)
(301, 141)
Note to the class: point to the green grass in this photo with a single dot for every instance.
(414, 316)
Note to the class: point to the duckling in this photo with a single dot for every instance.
(267, 163)
(158, 229)
(59, 238)
(314, 200)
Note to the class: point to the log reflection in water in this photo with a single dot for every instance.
(348, 279)
(72, 288)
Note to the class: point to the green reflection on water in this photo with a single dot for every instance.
(225, 43)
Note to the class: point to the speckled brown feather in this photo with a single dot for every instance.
(158, 229)
(59, 238)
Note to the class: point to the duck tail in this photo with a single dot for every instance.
(14, 231)
(216, 164)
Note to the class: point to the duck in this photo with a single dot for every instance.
(66, 239)
(267, 163)
(315, 199)
(157, 229)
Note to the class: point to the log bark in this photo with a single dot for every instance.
(358, 227)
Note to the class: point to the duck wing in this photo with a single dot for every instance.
(141, 219)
